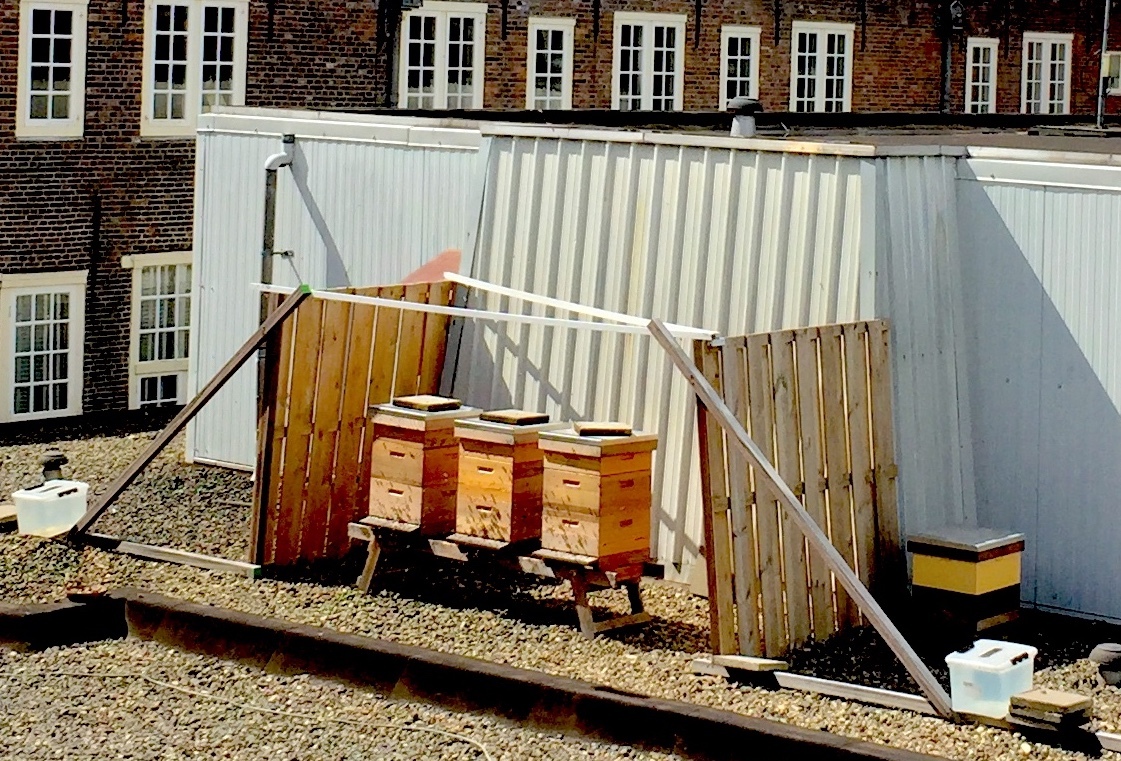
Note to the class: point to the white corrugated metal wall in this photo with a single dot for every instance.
(1041, 253)
(361, 204)
(737, 241)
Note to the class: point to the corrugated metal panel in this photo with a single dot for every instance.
(353, 212)
(1042, 256)
(918, 288)
(734, 241)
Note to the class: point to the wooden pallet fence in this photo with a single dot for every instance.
(817, 401)
(332, 360)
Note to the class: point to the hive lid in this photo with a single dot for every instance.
(427, 403)
(602, 429)
(514, 417)
(966, 538)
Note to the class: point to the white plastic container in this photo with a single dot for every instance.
(50, 509)
(984, 678)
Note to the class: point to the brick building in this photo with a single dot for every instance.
(98, 101)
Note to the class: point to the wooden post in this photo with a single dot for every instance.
(266, 426)
(817, 538)
(122, 482)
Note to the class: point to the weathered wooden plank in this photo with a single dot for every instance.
(813, 475)
(741, 513)
(347, 503)
(790, 468)
(435, 338)
(179, 557)
(714, 496)
(858, 692)
(817, 539)
(247, 349)
(410, 345)
(276, 456)
(890, 569)
(333, 340)
(860, 451)
(836, 460)
(297, 440)
(761, 401)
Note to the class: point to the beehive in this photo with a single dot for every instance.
(500, 475)
(596, 495)
(969, 575)
(414, 459)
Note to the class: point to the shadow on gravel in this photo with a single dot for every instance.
(118, 423)
(521, 597)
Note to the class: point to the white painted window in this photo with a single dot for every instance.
(549, 63)
(42, 321)
(648, 62)
(1111, 71)
(980, 75)
(50, 96)
(194, 59)
(160, 328)
(821, 67)
(739, 63)
(443, 49)
(1046, 77)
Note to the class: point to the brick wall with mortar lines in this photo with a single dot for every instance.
(321, 54)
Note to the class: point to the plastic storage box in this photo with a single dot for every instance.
(50, 509)
(984, 678)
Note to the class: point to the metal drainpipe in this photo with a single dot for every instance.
(268, 235)
(1101, 74)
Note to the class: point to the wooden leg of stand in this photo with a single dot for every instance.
(367, 577)
(583, 609)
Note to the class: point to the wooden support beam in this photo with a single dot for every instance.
(122, 482)
(181, 557)
(818, 541)
(858, 692)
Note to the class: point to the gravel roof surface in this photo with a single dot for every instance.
(162, 710)
(516, 619)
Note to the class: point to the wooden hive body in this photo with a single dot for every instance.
(414, 466)
(500, 480)
(596, 495)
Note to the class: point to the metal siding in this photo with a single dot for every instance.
(734, 241)
(353, 212)
(1043, 257)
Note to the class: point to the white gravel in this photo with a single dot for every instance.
(453, 608)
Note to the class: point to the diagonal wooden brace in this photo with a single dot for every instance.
(739, 438)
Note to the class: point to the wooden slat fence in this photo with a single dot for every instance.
(817, 401)
(333, 360)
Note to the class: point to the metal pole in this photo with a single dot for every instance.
(1101, 73)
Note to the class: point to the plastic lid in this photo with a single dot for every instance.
(992, 655)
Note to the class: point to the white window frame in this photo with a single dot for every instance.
(1111, 60)
(150, 127)
(675, 20)
(74, 124)
(136, 368)
(727, 32)
(442, 10)
(823, 28)
(1047, 39)
(993, 46)
(74, 284)
(567, 26)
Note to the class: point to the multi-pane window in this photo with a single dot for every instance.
(549, 64)
(194, 59)
(739, 63)
(980, 75)
(648, 61)
(51, 71)
(1111, 72)
(43, 324)
(821, 68)
(442, 54)
(161, 325)
(1046, 75)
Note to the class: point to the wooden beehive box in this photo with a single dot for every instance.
(596, 495)
(500, 475)
(971, 575)
(414, 459)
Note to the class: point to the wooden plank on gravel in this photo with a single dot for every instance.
(293, 489)
(333, 342)
(813, 475)
(790, 467)
(761, 401)
(181, 557)
(860, 450)
(858, 692)
(714, 493)
(411, 343)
